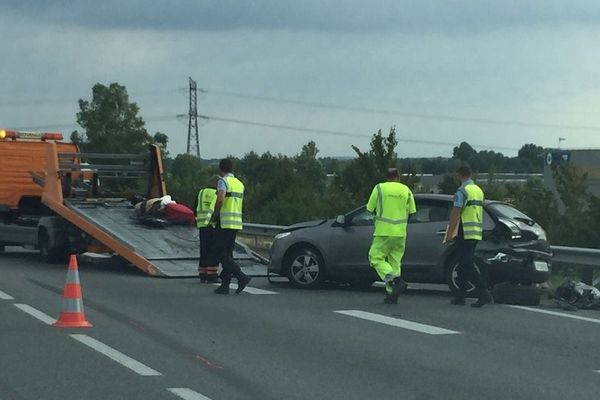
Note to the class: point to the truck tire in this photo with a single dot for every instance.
(49, 254)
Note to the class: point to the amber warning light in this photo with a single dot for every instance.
(6, 134)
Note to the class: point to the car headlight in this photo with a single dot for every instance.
(541, 234)
(282, 235)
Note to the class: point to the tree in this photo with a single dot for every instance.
(364, 172)
(112, 123)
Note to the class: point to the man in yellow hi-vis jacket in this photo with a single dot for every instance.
(208, 265)
(391, 203)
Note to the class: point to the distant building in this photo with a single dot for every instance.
(585, 161)
(431, 182)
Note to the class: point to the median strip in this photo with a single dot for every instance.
(187, 394)
(397, 322)
(35, 313)
(5, 296)
(115, 355)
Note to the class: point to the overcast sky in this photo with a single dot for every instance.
(495, 74)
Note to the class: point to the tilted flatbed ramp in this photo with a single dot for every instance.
(172, 250)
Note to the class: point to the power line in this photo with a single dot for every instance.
(338, 133)
(67, 100)
(407, 114)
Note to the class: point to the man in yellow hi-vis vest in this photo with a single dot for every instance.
(466, 226)
(228, 217)
(391, 203)
(208, 265)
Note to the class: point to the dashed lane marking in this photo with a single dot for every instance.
(249, 289)
(5, 296)
(187, 394)
(556, 314)
(35, 313)
(116, 355)
(397, 322)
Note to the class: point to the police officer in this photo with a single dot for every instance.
(391, 203)
(205, 206)
(228, 217)
(466, 226)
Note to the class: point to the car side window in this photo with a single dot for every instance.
(430, 211)
(362, 218)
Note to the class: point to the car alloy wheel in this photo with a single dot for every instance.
(452, 280)
(305, 269)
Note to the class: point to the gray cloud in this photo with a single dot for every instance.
(409, 16)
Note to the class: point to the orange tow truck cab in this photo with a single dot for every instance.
(21, 154)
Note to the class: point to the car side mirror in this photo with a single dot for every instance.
(340, 220)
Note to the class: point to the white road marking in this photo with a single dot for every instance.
(557, 314)
(249, 289)
(115, 355)
(5, 296)
(397, 322)
(35, 313)
(187, 394)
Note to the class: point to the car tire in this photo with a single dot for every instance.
(521, 295)
(451, 278)
(305, 268)
(49, 254)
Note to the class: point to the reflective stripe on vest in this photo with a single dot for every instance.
(231, 210)
(207, 198)
(391, 214)
(472, 213)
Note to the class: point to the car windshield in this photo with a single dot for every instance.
(504, 210)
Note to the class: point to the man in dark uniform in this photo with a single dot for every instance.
(466, 225)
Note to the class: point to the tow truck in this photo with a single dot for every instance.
(51, 199)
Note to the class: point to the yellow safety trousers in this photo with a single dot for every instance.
(385, 257)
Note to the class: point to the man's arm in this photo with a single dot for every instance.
(372, 203)
(452, 229)
(221, 191)
(412, 207)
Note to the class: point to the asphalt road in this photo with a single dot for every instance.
(279, 343)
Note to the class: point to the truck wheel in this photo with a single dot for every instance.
(49, 254)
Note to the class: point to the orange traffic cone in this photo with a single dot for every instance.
(72, 315)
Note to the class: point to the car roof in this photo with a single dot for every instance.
(445, 197)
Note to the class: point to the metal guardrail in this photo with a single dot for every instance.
(586, 259)
(262, 229)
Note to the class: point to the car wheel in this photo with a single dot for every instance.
(305, 268)
(49, 254)
(452, 279)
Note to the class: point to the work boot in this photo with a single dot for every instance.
(484, 298)
(398, 287)
(390, 296)
(223, 289)
(243, 281)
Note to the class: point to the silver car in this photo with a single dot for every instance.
(514, 247)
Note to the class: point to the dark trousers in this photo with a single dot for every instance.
(466, 270)
(224, 243)
(207, 253)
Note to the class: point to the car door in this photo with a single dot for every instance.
(425, 232)
(350, 242)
